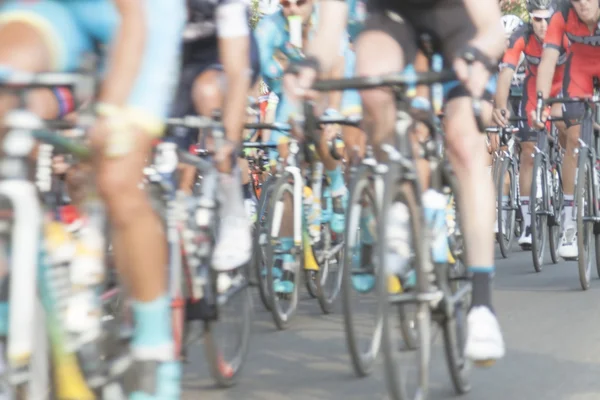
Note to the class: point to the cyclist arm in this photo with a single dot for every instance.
(553, 42)
(127, 54)
(486, 16)
(234, 52)
(333, 19)
(266, 37)
(422, 65)
(510, 63)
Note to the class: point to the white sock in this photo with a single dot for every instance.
(505, 202)
(525, 211)
(568, 221)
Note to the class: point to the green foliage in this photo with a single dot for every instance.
(255, 14)
(516, 7)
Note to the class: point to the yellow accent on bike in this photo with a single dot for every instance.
(310, 263)
(394, 285)
(68, 379)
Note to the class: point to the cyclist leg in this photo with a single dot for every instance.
(577, 82)
(466, 151)
(528, 137)
(138, 238)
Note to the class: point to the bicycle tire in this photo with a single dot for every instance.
(396, 190)
(281, 317)
(554, 226)
(259, 259)
(226, 372)
(584, 207)
(362, 361)
(455, 327)
(506, 227)
(310, 282)
(537, 209)
(329, 283)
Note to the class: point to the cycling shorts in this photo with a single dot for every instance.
(73, 28)
(580, 71)
(449, 24)
(527, 105)
(206, 60)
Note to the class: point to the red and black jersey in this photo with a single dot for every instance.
(523, 40)
(566, 22)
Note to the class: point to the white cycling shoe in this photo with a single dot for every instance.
(484, 339)
(234, 244)
(568, 244)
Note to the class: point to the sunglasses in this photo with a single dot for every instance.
(540, 19)
(287, 3)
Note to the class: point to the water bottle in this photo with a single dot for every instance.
(398, 252)
(435, 204)
(437, 90)
(312, 208)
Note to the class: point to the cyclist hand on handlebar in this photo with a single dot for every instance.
(540, 124)
(501, 116)
(299, 78)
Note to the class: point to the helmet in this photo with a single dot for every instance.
(510, 24)
(533, 5)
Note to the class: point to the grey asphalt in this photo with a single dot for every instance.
(551, 328)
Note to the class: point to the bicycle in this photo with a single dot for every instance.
(505, 174)
(546, 196)
(41, 341)
(586, 211)
(200, 294)
(387, 186)
(314, 247)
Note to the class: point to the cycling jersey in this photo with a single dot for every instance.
(73, 28)
(357, 14)
(273, 36)
(524, 42)
(207, 21)
(582, 63)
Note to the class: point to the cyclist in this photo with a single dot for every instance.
(212, 71)
(145, 39)
(276, 50)
(527, 41)
(578, 20)
(465, 28)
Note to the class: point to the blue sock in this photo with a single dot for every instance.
(152, 331)
(3, 318)
(336, 181)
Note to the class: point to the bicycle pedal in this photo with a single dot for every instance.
(485, 363)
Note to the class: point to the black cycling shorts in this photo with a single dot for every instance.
(195, 63)
(447, 23)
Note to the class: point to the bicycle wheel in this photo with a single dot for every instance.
(507, 210)
(406, 369)
(557, 201)
(585, 209)
(283, 305)
(259, 258)
(235, 318)
(363, 339)
(539, 216)
(329, 256)
(456, 280)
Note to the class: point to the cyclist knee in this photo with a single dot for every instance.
(527, 154)
(207, 92)
(23, 48)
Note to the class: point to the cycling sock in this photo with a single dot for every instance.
(152, 336)
(482, 288)
(525, 210)
(336, 179)
(567, 215)
(367, 227)
(287, 244)
(3, 318)
(505, 201)
(247, 188)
